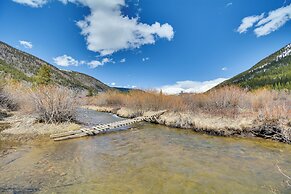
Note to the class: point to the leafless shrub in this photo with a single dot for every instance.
(227, 101)
(54, 104)
(6, 100)
(270, 104)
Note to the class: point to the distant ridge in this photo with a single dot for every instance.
(23, 66)
(273, 71)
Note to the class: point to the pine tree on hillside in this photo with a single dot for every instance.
(43, 76)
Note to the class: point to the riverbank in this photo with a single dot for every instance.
(152, 158)
(18, 128)
(278, 130)
(22, 127)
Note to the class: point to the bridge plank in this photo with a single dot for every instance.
(101, 128)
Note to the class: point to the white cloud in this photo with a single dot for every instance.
(124, 86)
(248, 22)
(31, 3)
(113, 83)
(26, 44)
(229, 4)
(123, 60)
(266, 25)
(66, 61)
(145, 59)
(274, 21)
(96, 63)
(224, 69)
(107, 30)
(82, 62)
(190, 86)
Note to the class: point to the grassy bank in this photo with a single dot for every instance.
(28, 111)
(228, 111)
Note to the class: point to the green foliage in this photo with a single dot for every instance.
(268, 73)
(90, 92)
(43, 76)
(22, 66)
(13, 72)
(275, 77)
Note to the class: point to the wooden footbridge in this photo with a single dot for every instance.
(104, 128)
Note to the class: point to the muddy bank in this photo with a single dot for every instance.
(278, 130)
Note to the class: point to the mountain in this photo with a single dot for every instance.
(23, 66)
(123, 89)
(273, 72)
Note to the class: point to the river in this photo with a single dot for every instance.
(146, 159)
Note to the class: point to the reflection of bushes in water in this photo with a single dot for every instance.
(54, 104)
(226, 101)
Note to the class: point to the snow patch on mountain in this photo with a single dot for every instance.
(286, 52)
(261, 67)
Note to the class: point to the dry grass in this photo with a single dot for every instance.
(6, 100)
(50, 104)
(225, 111)
(228, 111)
(227, 101)
(20, 94)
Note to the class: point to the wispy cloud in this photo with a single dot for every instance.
(249, 22)
(123, 60)
(26, 44)
(32, 3)
(66, 61)
(229, 4)
(224, 69)
(113, 84)
(145, 59)
(96, 63)
(190, 86)
(274, 20)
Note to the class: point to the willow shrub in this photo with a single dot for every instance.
(54, 104)
(227, 101)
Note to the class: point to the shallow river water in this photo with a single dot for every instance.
(146, 159)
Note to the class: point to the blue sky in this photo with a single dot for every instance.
(187, 45)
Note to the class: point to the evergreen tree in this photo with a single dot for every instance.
(43, 76)
(90, 92)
